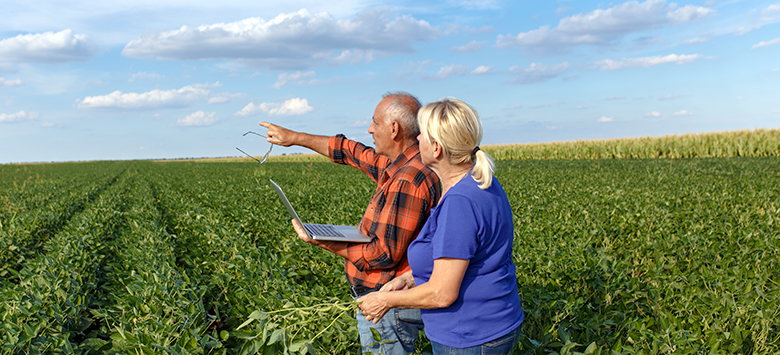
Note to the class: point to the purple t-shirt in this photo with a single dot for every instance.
(474, 224)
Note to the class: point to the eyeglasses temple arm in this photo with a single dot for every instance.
(248, 155)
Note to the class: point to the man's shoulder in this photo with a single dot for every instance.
(417, 173)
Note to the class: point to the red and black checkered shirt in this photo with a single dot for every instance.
(406, 190)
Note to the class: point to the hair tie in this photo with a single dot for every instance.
(476, 149)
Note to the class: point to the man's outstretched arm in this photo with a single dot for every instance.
(282, 136)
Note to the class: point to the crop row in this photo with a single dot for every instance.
(46, 308)
(37, 204)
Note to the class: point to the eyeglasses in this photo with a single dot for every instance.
(265, 157)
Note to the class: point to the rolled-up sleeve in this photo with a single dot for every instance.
(342, 150)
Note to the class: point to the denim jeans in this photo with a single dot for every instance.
(500, 346)
(399, 329)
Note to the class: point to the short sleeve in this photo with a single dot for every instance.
(457, 229)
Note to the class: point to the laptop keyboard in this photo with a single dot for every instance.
(322, 230)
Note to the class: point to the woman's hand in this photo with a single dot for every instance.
(374, 306)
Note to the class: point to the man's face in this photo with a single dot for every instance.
(381, 129)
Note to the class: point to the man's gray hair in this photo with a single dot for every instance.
(403, 109)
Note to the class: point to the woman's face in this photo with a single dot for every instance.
(426, 150)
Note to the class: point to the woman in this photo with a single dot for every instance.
(462, 276)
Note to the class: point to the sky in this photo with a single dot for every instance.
(141, 79)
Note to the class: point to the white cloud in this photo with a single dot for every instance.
(291, 107)
(536, 72)
(653, 114)
(602, 26)
(149, 100)
(696, 40)
(199, 118)
(448, 71)
(771, 9)
(18, 117)
(582, 107)
(454, 28)
(47, 47)
(769, 15)
(606, 119)
(290, 41)
(645, 62)
(9, 83)
(285, 77)
(766, 43)
(470, 47)
(561, 10)
(683, 113)
(482, 69)
(144, 75)
(672, 97)
(361, 123)
(689, 13)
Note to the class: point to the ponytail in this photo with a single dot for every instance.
(483, 169)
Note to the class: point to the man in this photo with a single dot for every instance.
(406, 191)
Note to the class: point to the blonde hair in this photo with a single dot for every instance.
(456, 127)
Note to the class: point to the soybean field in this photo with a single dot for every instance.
(619, 256)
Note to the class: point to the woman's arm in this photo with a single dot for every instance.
(439, 292)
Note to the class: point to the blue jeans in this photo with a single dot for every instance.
(500, 346)
(399, 329)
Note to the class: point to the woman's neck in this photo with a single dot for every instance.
(450, 174)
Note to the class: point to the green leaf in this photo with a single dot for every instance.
(375, 334)
(258, 315)
(247, 322)
(224, 335)
(277, 335)
(297, 346)
(564, 335)
(591, 349)
(310, 348)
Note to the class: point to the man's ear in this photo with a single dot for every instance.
(395, 130)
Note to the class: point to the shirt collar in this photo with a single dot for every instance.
(407, 155)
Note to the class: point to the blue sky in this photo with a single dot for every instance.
(141, 79)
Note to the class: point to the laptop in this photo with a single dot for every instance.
(323, 231)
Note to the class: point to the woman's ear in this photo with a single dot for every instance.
(437, 150)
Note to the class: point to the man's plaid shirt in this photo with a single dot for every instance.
(406, 190)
